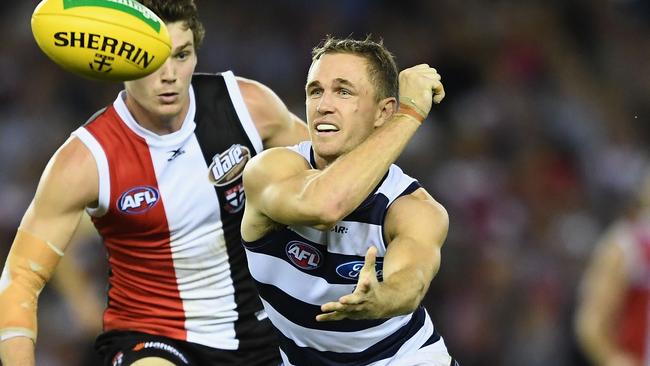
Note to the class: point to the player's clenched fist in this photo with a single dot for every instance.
(418, 87)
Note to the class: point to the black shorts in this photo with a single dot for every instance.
(122, 348)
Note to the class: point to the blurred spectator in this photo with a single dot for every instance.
(612, 318)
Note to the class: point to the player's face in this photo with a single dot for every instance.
(341, 106)
(162, 97)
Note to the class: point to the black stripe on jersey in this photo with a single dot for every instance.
(312, 159)
(410, 189)
(217, 124)
(304, 314)
(270, 238)
(372, 211)
(383, 349)
(218, 128)
(435, 337)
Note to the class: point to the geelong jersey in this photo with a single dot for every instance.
(169, 212)
(298, 268)
(633, 333)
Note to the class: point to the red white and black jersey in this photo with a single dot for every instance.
(633, 325)
(169, 213)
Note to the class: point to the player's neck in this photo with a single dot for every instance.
(160, 125)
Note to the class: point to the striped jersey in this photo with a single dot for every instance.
(633, 325)
(169, 212)
(299, 268)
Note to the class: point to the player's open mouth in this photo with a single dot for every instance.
(326, 128)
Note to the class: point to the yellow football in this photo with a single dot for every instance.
(101, 39)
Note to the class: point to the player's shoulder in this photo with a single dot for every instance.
(256, 94)
(73, 152)
(417, 212)
(73, 162)
(250, 85)
(71, 171)
(421, 196)
(421, 202)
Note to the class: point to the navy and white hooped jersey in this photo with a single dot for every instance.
(169, 213)
(299, 268)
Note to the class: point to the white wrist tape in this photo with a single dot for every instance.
(29, 266)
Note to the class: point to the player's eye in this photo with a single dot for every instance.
(314, 93)
(183, 55)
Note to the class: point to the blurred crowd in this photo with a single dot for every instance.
(540, 143)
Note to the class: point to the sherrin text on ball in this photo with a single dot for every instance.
(101, 39)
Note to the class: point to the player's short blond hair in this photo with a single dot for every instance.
(382, 67)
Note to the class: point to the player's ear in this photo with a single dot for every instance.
(385, 109)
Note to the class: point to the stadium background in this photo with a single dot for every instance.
(539, 144)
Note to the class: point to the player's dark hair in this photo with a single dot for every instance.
(382, 67)
(178, 10)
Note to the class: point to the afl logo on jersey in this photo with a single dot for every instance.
(351, 270)
(303, 255)
(138, 200)
(229, 165)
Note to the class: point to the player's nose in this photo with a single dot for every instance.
(325, 104)
(167, 72)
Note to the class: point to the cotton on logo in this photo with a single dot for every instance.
(303, 255)
(138, 200)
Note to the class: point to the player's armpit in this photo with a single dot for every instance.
(29, 266)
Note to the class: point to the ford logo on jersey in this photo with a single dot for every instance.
(303, 255)
(350, 270)
(138, 200)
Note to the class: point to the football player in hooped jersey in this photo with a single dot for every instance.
(159, 172)
(340, 242)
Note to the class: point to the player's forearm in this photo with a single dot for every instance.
(17, 351)
(70, 281)
(344, 184)
(402, 293)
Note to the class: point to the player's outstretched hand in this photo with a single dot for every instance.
(363, 303)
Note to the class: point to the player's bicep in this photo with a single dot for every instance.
(68, 183)
(416, 228)
(275, 182)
